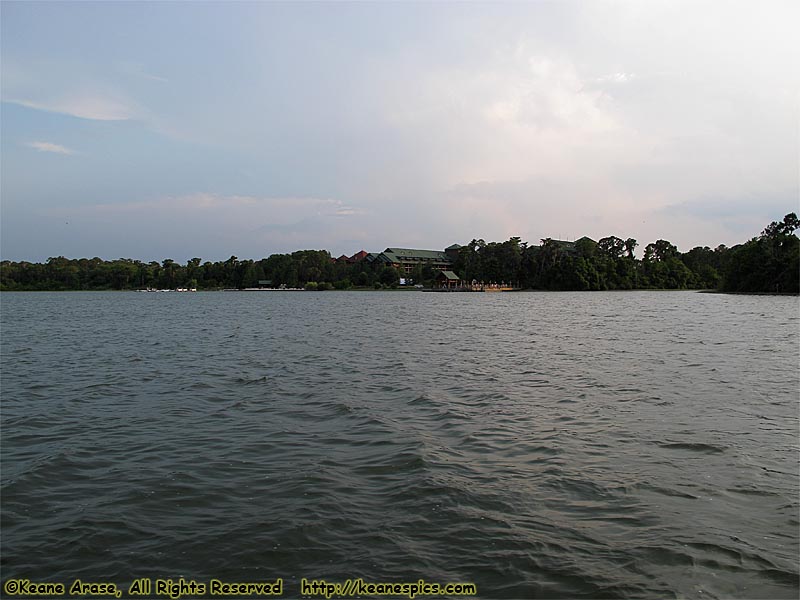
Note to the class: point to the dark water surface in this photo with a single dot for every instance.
(630, 445)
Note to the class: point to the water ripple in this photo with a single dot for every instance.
(620, 445)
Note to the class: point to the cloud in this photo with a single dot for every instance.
(66, 87)
(137, 69)
(767, 206)
(514, 112)
(50, 147)
(448, 122)
(82, 104)
(348, 211)
(248, 213)
(548, 94)
(221, 224)
(616, 78)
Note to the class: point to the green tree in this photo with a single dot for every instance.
(769, 263)
(611, 246)
(389, 276)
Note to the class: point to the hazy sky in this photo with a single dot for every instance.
(171, 130)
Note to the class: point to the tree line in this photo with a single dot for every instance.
(767, 263)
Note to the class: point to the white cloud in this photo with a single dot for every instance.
(66, 87)
(84, 105)
(247, 212)
(349, 211)
(616, 78)
(50, 147)
(513, 114)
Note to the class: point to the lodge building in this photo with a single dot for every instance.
(407, 259)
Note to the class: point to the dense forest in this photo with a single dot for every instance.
(767, 263)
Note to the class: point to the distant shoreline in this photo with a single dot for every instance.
(409, 290)
(768, 264)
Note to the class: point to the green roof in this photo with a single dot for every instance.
(454, 247)
(409, 255)
(450, 275)
(566, 243)
(414, 255)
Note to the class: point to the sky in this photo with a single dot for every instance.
(153, 130)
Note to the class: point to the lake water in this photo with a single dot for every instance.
(540, 445)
